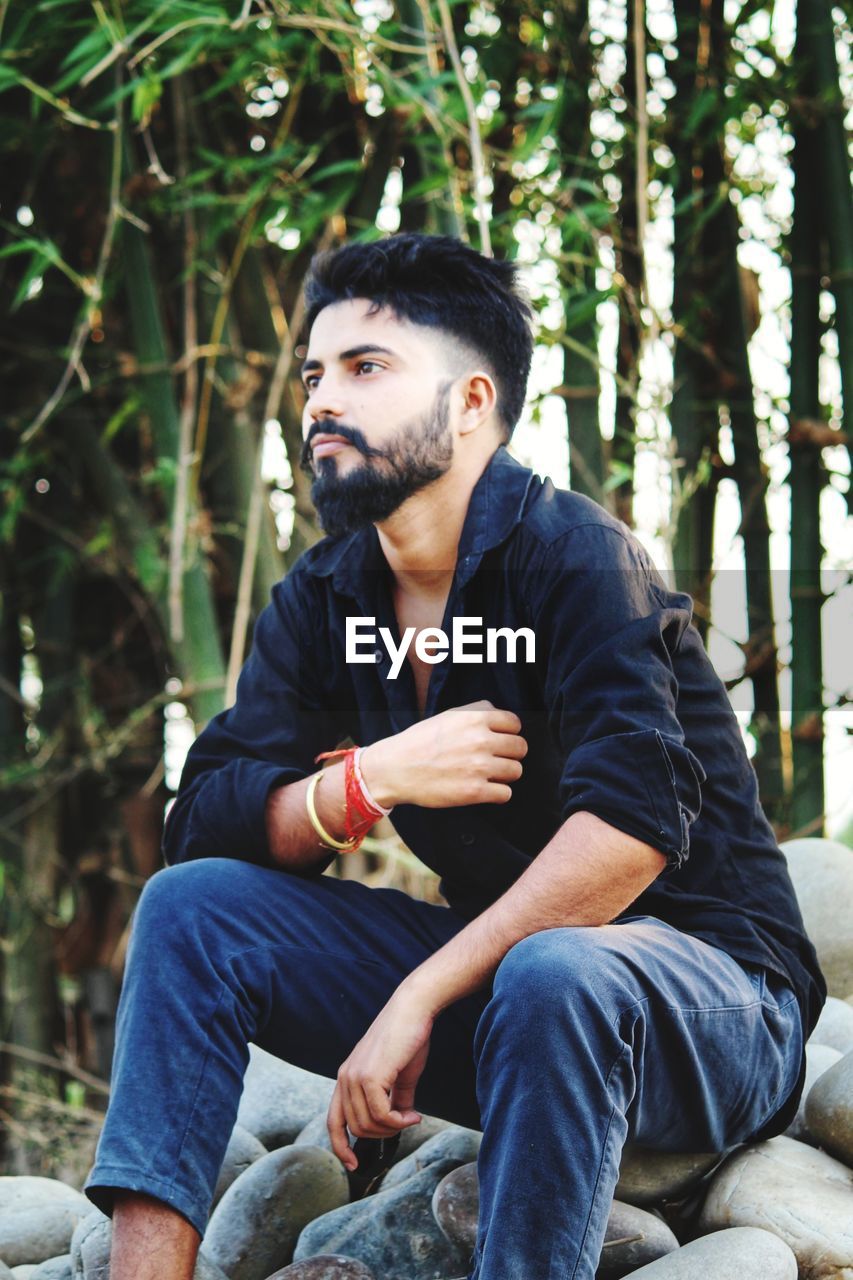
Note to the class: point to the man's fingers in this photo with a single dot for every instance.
(511, 745)
(336, 1125)
(503, 721)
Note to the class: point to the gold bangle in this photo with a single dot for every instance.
(343, 846)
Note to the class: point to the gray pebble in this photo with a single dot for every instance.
(829, 1110)
(456, 1206)
(834, 1026)
(742, 1253)
(647, 1177)
(315, 1134)
(55, 1269)
(801, 1195)
(451, 1147)
(822, 874)
(328, 1267)
(633, 1239)
(393, 1233)
(819, 1058)
(243, 1149)
(19, 1191)
(31, 1234)
(278, 1099)
(254, 1227)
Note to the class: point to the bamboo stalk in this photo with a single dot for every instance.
(190, 391)
(581, 381)
(807, 801)
(833, 176)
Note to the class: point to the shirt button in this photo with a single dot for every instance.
(466, 838)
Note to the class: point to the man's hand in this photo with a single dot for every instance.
(376, 1085)
(465, 755)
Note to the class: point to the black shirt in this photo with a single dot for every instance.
(622, 712)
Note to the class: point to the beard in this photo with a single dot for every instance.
(420, 453)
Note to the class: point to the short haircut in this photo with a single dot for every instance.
(441, 283)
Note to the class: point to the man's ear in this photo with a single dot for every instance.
(479, 400)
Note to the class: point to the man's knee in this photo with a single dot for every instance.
(194, 908)
(565, 968)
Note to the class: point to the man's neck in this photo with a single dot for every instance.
(421, 539)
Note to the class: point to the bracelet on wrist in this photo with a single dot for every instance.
(342, 846)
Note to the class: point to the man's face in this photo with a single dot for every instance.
(377, 415)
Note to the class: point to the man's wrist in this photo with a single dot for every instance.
(378, 774)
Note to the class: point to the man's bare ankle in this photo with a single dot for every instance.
(150, 1240)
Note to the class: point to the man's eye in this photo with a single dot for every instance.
(310, 381)
(368, 365)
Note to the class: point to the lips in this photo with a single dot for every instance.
(329, 446)
(322, 445)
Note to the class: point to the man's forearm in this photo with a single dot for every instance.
(292, 839)
(585, 875)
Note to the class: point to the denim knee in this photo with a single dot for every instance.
(565, 967)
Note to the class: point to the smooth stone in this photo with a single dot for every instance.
(451, 1147)
(835, 1025)
(456, 1205)
(315, 1134)
(801, 1195)
(819, 1058)
(633, 1239)
(5, 1272)
(393, 1233)
(243, 1149)
(25, 1270)
(742, 1253)
(278, 1099)
(822, 874)
(829, 1110)
(30, 1234)
(254, 1227)
(54, 1269)
(329, 1267)
(647, 1177)
(90, 1247)
(19, 1191)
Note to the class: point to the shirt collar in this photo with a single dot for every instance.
(496, 506)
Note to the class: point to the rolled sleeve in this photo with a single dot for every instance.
(608, 632)
(285, 712)
(639, 783)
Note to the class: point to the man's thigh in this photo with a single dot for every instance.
(318, 958)
(699, 1050)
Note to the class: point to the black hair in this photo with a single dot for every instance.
(439, 282)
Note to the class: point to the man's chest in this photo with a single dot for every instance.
(424, 614)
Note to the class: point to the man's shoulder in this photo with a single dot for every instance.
(565, 519)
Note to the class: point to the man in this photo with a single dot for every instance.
(538, 715)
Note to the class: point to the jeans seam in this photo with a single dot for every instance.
(571, 1275)
(197, 1091)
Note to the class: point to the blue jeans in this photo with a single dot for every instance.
(588, 1037)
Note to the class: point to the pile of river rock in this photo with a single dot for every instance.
(774, 1210)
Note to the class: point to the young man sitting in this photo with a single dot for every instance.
(622, 956)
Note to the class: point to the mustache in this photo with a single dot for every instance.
(352, 435)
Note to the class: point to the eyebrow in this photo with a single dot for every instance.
(367, 348)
